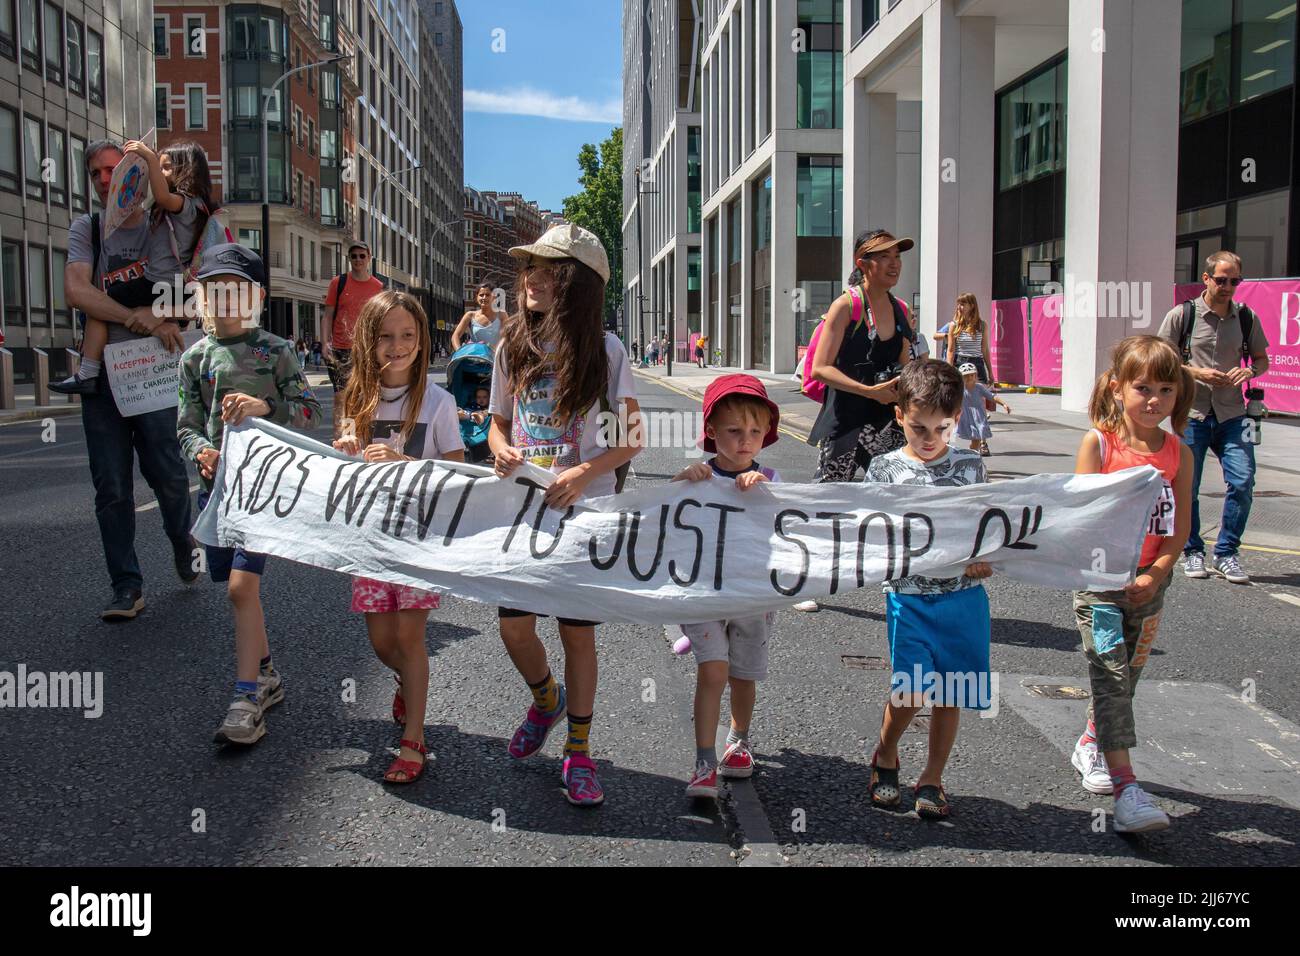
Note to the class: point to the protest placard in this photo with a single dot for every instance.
(143, 375)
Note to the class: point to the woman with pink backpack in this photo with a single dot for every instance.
(854, 359)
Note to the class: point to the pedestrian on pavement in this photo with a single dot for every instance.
(663, 349)
(396, 412)
(230, 375)
(701, 343)
(859, 356)
(973, 426)
(739, 420)
(968, 339)
(346, 294)
(112, 440)
(1217, 339)
(315, 353)
(939, 628)
(481, 325)
(652, 353)
(1145, 384)
(556, 370)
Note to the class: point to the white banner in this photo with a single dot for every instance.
(143, 375)
(670, 553)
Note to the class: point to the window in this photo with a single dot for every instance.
(818, 196)
(1031, 127)
(31, 38)
(437, 39)
(38, 286)
(329, 145)
(7, 38)
(693, 179)
(244, 102)
(296, 114)
(33, 139)
(311, 137)
(8, 149)
(271, 37)
(329, 210)
(196, 36)
(162, 113)
(76, 57)
(59, 263)
(56, 150)
(1267, 63)
(196, 111)
(95, 66)
(53, 43)
(251, 238)
(77, 168)
(11, 277)
(821, 66)
(160, 36)
(1206, 58)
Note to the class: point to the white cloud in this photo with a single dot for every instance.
(529, 102)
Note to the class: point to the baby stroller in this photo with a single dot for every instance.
(470, 369)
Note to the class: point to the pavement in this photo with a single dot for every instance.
(142, 784)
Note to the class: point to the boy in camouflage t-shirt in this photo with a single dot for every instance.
(239, 370)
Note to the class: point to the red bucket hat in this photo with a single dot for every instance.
(737, 384)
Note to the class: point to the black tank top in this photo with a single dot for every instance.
(862, 354)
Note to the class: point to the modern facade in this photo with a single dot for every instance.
(732, 136)
(215, 64)
(70, 73)
(1110, 142)
(442, 166)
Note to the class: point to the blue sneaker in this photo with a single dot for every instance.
(530, 736)
(580, 781)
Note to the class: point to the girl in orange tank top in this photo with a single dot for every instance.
(1145, 384)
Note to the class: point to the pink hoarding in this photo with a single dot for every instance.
(1277, 303)
(1009, 348)
(1045, 341)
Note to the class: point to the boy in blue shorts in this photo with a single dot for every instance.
(239, 370)
(938, 627)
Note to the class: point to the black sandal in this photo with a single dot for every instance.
(931, 802)
(884, 782)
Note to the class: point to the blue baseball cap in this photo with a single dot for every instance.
(230, 258)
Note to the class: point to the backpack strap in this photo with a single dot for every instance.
(1101, 443)
(95, 243)
(1247, 319)
(1189, 319)
(901, 321)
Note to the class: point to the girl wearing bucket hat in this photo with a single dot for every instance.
(859, 361)
(555, 371)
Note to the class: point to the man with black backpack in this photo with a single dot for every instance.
(1223, 346)
(346, 295)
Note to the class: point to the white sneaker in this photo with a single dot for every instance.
(807, 606)
(1091, 763)
(1135, 813)
(270, 688)
(243, 723)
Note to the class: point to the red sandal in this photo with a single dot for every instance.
(411, 768)
(399, 702)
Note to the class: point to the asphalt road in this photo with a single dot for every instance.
(134, 785)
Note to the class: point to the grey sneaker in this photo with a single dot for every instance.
(1229, 566)
(270, 688)
(243, 723)
(1194, 565)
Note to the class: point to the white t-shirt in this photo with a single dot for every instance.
(557, 445)
(436, 431)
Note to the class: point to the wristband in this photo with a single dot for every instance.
(270, 407)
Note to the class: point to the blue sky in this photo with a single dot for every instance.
(560, 78)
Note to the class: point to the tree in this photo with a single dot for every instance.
(599, 207)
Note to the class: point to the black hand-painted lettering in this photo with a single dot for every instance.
(359, 469)
(236, 490)
(890, 552)
(537, 528)
(720, 550)
(456, 515)
(418, 480)
(910, 552)
(533, 488)
(304, 474)
(659, 544)
(604, 564)
(699, 545)
(390, 481)
(836, 517)
(283, 452)
(804, 556)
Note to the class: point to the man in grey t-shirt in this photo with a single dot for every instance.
(114, 441)
(1218, 419)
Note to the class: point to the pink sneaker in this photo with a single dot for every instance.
(582, 786)
(704, 782)
(737, 762)
(531, 734)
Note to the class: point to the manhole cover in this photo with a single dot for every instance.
(864, 663)
(1057, 691)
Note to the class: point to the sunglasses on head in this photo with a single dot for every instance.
(1221, 281)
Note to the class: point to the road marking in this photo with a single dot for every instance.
(44, 447)
(1289, 598)
(150, 505)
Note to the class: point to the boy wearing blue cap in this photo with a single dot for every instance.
(239, 370)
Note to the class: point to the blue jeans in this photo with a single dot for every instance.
(1227, 441)
(112, 443)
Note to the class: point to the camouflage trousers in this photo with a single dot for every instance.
(1117, 638)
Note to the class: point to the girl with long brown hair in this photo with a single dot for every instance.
(968, 338)
(391, 411)
(556, 372)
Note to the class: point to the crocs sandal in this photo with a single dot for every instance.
(412, 768)
(399, 703)
(931, 802)
(883, 790)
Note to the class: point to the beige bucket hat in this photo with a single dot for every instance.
(568, 241)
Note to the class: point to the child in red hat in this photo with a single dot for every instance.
(739, 420)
